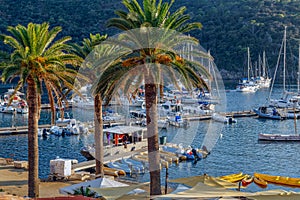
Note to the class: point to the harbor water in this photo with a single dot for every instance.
(234, 148)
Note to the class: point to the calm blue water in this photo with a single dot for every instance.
(237, 150)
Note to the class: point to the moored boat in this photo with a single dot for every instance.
(280, 180)
(223, 119)
(270, 113)
(247, 84)
(247, 180)
(233, 178)
(278, 137)
(260, 182)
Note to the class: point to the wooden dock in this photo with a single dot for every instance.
(24, 129)
(19, 129)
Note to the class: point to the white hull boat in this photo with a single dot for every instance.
(246, 88)
(223, 119)
(278, 137)
(8, 110)
(269, 113)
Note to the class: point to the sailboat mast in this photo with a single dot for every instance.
(259, 65)
(264, 65)
(248, 53)
(298, 81)
(284, 58)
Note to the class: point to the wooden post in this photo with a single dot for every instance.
(166, 181)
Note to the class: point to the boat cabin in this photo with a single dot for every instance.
(119, 134)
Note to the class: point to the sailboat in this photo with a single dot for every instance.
(263, 80)
(282, 137)
(246, 84)
(294, 102)
(286, 101)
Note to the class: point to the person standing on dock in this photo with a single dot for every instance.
(135, 137)
(125, 139)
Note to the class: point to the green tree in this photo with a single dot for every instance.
(155, 14)
(83, 50)
(37, 59)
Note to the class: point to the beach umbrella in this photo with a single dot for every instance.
(208, 180)
(97, 183)
(200, 190)
(118, 192)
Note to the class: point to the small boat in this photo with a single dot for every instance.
(8, 109)
(247, 87)
(65, 119)
(233, 178)
(269, 113)
(247, 84)
(231, 175)
(42, 132)
(278, 137)
(247, 180)
(260, 182)
(178, 121)
(223, 119)
(22, 107)
(280, 180)
(56, 130)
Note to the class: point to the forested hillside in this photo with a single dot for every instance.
(229, 26)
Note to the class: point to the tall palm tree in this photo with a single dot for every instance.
(156, 14)
(37, 59)
(83, 50)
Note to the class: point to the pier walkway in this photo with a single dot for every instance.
(24, 129)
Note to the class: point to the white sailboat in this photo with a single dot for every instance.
(282, 137)
(288, 98)
(263, 80)
(246, 84)
(292, 102)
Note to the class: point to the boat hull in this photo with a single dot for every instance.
(268, 115)
(278, 137)
(260, 182)
(233, 178)
(280, 180)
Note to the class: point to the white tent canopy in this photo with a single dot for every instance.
(117, 192)
(97, 183)
(204, 191)
(123, 129)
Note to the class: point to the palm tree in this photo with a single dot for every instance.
(83, 50)
(37, 59)
(156, 14)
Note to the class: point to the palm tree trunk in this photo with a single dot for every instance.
(53, 114)
(33, 154)
(152, 135)
(99, 136)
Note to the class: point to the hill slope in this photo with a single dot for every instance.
(229, 26)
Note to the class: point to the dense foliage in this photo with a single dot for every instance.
(229, 26)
